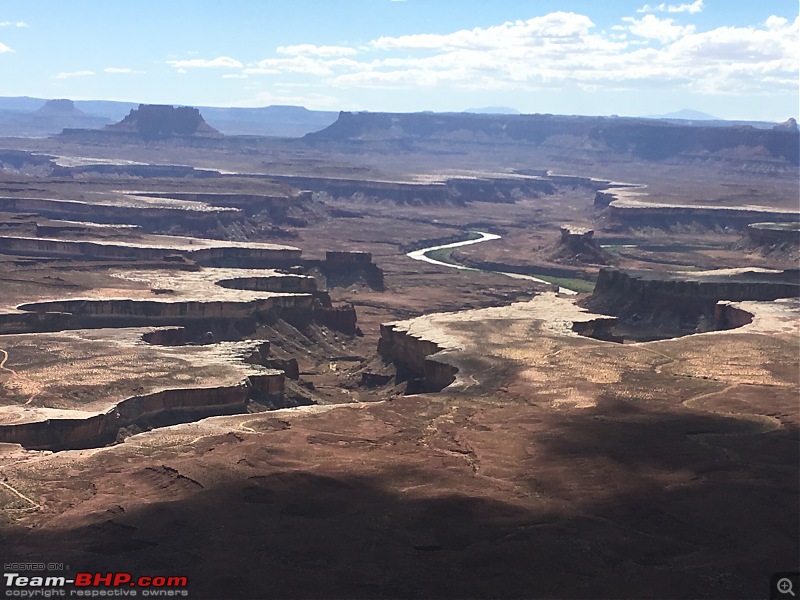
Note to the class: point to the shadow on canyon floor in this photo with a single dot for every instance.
(619, 501)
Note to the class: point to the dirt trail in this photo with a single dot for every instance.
(37, 389)
(33, 504)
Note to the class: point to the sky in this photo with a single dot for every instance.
(735, 59)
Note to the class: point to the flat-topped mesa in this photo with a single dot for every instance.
(344, 268)
(684, 302)
(577, 246)
(627, 213)
(570, 234)
(60, 107)
(646, 139)
(163, 120)
(779, 240)
(228, 302)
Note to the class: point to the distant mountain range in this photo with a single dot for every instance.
(686, 114)
(493, 110)
(28, 117)
(38, 117)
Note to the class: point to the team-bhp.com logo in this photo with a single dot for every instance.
(94, 585)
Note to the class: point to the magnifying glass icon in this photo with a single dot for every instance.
(784, 586)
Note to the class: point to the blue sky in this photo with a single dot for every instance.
(731, 58)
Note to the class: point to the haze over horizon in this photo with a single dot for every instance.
(732, 59)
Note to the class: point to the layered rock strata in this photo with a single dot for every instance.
(206, 300)
(125, 383)
(680, 301)
(632, 213)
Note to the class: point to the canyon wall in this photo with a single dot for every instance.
(219, 256)
(416, 354)
(155, 217)
(729, 316)
(680, 301)
(458, 191)
(164, 407)
(774, 234)
(624, 214)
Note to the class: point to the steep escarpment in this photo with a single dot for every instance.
(638, 138)
(143, 412)
(214, 254)
(456, 190)
(344, 268)
(91, 313)
(629, 213)
(777, 240)
(153, 217)
(413, 356)
(684, 303)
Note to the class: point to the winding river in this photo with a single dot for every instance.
(422, 254)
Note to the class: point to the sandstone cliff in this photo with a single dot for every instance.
(679, 302)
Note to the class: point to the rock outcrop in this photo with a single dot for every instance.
(789, 124)
(413, 355)
(158, 121)
(577, 246)
(60, 107)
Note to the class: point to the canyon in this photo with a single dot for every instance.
(405, 355)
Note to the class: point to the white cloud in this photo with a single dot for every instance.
(13, 24)
(774, 22)
(4, 48)
(561, 50)
(557, 51)
(554, 26)
(694, 7)
(317, 50)
(68, 74)
(651, 27)
(221, 62)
